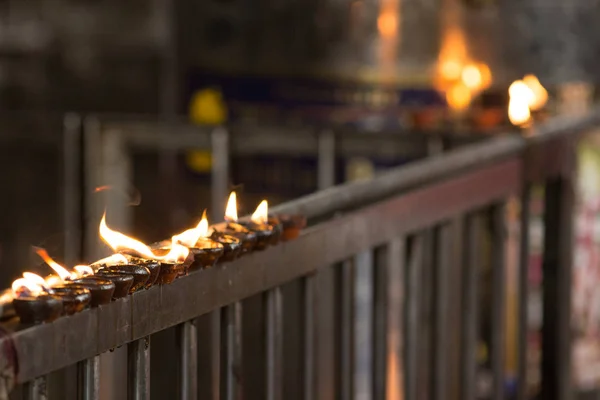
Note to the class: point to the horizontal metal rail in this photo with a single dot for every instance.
(428, 170)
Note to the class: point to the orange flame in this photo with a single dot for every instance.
(83, 270)
(112, 260)
(30, 282)
(59, 269)
(118, 241)
(53, 280)
(178, 253)
(261, 215)
(458, 97)
(34, 278)
(231, 209)
(190, 237)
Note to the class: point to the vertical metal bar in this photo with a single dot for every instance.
(557, 269)
(219, 171)
(522, 348)
(36, 389)
(89, 378)
(138, 363)
(498, 300)
(215, 373)
(470, 301)
(72, 190)
(231, 352)
(388, 365)
(381, 315)
(310, 302)
(326, 159)
(188, 360)
(413, 307)
(219, 187)
(426, 317)
(315, 300)
(274, 332)
(455, 311)
(442, 260)
(92, 137)
(363, 325)
(345, 330)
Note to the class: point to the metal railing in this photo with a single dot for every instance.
(417, 233)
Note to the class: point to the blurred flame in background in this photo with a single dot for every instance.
(526, 95)
(388, 27)
(456, 74)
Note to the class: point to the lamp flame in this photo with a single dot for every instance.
(59, 269)
(261, 215)
(30, 284)
(118, 241)
(84, 270)
(231, 209)
(53, 280)
(116, 258)
(178, 253)
(34, 278)
(190, 237)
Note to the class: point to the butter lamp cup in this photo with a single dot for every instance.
(206, 257)
(169, 272)
(122, 283)
(75, 297)
(292, 225)
(152, 265)
(264, 233)
(140, 274)
(38, 309)
(247, 238)
(168, 267)
(232, 246)
(101, 290)
(277, 227)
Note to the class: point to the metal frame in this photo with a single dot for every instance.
(403, 202)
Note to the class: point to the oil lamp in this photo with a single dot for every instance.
(143, 264)
(291, 225)
(100, 291)
(231, 227)
(205, 251)
(258, 224)
(32, 303)
(232, 246)
(75, 298)
(138, 273)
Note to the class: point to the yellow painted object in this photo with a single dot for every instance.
(207, 107)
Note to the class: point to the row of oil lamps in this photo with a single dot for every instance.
(135, 266)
